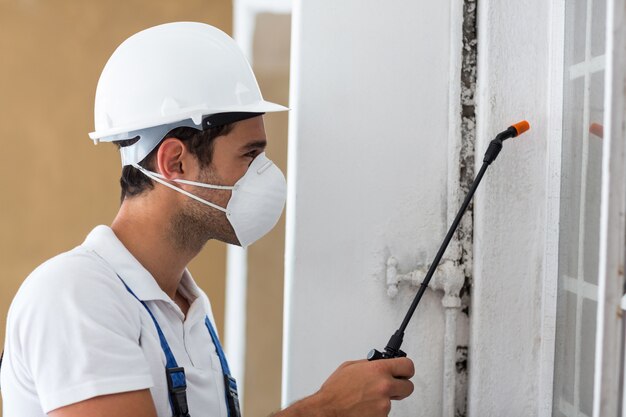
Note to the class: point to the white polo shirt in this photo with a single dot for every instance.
(74, 332)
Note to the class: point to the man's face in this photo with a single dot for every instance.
(232, 155)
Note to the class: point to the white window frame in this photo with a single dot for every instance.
(553, 207)
(609, 337)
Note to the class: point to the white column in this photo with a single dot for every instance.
(510, 245)
(368, 178)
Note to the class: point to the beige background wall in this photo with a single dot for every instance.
(55, 185)
(266, 258)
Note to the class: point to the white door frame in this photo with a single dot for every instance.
(244, 21)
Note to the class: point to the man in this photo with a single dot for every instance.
(117, 326)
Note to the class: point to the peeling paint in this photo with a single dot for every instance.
(461, 392)
(468, 134)
(466, 177)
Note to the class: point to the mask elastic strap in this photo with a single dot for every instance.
(187, 182)
(203, 185)
(159, 178)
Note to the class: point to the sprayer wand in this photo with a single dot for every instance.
(392, 350)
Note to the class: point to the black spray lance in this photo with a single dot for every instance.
(392, 350)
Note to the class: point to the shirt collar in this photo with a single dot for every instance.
(199, 304)
(103, 241)
(188, 287)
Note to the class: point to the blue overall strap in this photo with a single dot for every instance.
(176, 383)
(218, 346)
(230, 384)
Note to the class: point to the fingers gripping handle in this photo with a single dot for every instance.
(375, 354)
(392, 350)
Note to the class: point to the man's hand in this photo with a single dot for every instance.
(358, 389)
(365, 389)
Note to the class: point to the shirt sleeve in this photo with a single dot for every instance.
(78, 332)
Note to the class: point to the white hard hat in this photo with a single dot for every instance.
(168, 76)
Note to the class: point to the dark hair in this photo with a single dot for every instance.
(200, 144)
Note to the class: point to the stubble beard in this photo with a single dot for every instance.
(196, 223)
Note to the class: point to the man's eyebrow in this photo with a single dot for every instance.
(257, 144)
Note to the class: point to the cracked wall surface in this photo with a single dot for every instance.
(466, 177)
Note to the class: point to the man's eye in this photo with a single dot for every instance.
(251, 154)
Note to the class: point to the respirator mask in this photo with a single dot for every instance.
(256, 203)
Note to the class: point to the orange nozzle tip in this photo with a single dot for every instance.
(597, 129)
(521, 127)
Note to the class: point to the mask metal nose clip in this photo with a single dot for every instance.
(264, 167)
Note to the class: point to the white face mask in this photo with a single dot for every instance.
(256, 203)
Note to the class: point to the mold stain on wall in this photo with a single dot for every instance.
(466, 177)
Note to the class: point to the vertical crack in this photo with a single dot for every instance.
(466, 177)
(468, 137)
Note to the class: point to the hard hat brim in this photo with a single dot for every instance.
(109, 135)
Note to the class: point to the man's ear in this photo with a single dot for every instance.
(171, 158)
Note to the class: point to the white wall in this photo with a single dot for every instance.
(506, 341)
(368, 178)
